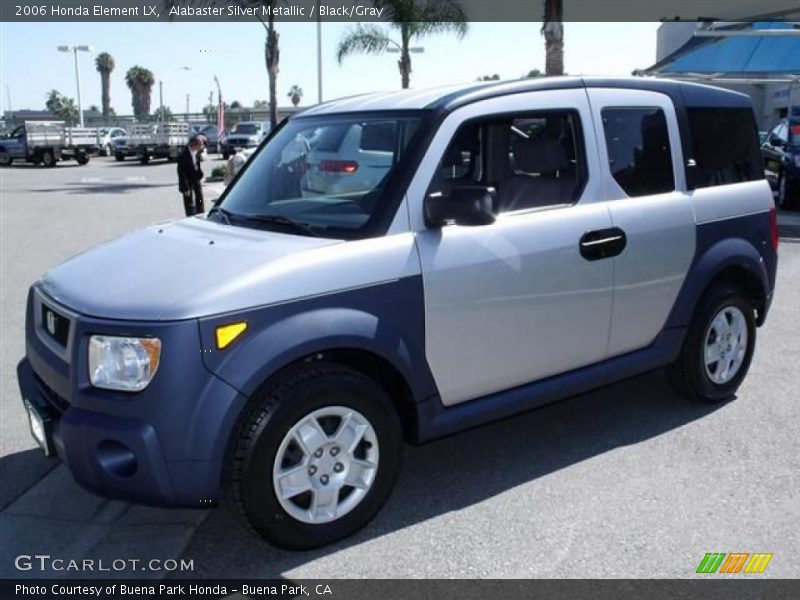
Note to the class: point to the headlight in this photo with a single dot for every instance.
(123, 363)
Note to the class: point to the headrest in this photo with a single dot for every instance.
(540, 156)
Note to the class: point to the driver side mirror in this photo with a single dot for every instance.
(466, 205)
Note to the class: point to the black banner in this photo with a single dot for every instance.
(740, 588)
(376, 11)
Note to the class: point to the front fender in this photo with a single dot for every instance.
(386, 319)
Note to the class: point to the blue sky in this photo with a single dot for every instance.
(30, 64)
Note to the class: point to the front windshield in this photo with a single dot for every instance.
(246, 129)
(326, 173)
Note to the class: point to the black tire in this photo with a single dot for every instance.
(688, 374)
(48, 158)
(144, 159)
(225, 155)
(5, 158)
(105, 150)
(281, 404)
(119, 157)
(82, 159)
(171, 158)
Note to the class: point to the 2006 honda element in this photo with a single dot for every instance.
(507, 245)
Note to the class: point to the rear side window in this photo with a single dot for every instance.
(725, 147)
(379, 137)
(330, 138)
(639, 154)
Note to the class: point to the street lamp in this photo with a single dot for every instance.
(75, 50)
(161, 88)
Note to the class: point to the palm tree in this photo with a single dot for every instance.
(54, 101)
(271, 50)
(104, 63)
(140, 82)
(296, 94)
(553, 32)
(68, 111)
(413, 19)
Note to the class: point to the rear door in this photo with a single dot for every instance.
(644, 181)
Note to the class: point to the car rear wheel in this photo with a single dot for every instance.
(718, 347)
(316, 456)
(144, 159)
(119, 157)
(5, 158)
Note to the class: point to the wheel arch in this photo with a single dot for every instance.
(733, 261)
(378, 348)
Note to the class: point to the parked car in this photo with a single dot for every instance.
(106, 137)
(121, 149)
(349, 157)
(781, 152)
(527, 241)
(158, 140)
(47, 142)
(212, 135)
(247, 134)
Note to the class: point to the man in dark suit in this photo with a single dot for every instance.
(190, 176)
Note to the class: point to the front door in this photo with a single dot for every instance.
(529, 296)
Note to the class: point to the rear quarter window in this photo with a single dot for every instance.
(725, 147)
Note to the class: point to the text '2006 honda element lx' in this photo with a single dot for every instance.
(448, 258)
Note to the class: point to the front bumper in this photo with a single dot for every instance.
(162, 446)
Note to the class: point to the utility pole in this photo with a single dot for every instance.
(319, 56)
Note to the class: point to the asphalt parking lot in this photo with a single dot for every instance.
(627, 481)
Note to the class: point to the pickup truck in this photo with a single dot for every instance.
(47, 142)
(157, 140)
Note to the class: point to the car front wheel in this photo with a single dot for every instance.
(718, 347)
(316, 456)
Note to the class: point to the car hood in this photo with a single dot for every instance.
(179, 270)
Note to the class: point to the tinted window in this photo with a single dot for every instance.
(639, 153)
(378, 137)
(330, 138)
(725, 146)
(245, 129)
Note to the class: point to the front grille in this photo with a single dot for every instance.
(55, 325)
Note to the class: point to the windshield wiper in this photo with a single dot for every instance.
(282, 220)
(224, 213)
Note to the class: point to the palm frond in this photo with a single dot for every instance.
(440, 16)
(363, 39)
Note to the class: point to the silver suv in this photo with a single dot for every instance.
(516, 243)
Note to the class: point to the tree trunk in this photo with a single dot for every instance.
(404, 64)
(553, 32)
(272, 55)
(105, 83)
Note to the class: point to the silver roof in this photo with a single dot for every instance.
(466, 92)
